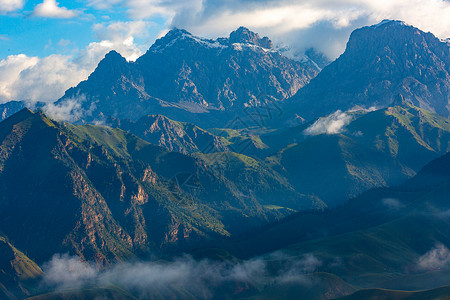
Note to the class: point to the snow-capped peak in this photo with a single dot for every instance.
(239, 40)
(387, 21)
(179, 34)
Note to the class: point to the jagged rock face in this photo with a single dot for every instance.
(106, 195)
(245, 36)
(220, 74)
(379, 63)
(182, 73)
(80, 198)
(171, 135)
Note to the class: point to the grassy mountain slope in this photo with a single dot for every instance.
(17, 271)
(411, 135)
(172, 135)
(382, 294)
(106, 195)
(378, 148)
(112, 293)
(378, 239)
(317, 285)
(336, 168)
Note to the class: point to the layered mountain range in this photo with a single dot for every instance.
(114, 193)
(182, 75)
(289, 178)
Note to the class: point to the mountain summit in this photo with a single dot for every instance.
(379, 63)
(245, 36)
(182, 75)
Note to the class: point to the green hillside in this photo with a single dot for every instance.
(18, 273)
(376, 149)
(382, 294)
(106, 195)
(379, 237)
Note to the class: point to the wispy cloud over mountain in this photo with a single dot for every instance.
(185, 274)
(332, 124)
(290, 21)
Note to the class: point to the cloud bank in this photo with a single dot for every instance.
(185, 275)
(324, 24)
(70, 110)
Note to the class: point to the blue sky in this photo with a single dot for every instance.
(47, 46)
(23, 32)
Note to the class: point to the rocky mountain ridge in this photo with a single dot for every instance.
(380, 63)
(182, 76)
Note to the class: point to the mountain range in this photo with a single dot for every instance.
(373, 149)
(287, 177)
(189, 78)
(375, 233)
(124, 193)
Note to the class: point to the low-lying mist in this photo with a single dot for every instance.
(201, 279)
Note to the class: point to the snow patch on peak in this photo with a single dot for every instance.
(244, 46)
(208, 43)
(178, 34)
(387, 21)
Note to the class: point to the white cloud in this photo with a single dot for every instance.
(199, 278)
(436, 258)
(297, 269)
(392, 203)
(68, 271)
(35, 79)
(103, 4)
(336, 122)
(332, 124)
(71, 110)
(63, 43)
(10, 5)
(10, 69)
(46, 79)
(121, 35)
(324, 24)
(50, 9)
